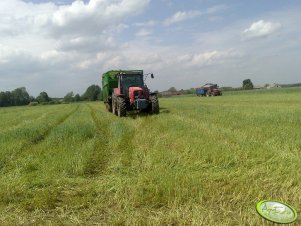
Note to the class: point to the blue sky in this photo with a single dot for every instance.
(61, 46)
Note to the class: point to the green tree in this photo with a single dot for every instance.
(172, 89)
(20, 96)
(31, 99)
(77, 97)
(17, 97)
(69, 97)
(43, 97)
(5, 99)
(247, 84)
(92, 93)
(190, 91)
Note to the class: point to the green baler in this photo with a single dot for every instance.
(109, 82)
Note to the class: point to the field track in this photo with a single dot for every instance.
(201, 161)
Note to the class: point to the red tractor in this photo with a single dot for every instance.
(208, 90)
(125, 90)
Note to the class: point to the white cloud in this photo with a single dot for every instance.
(100, 58)
(261, 28)
(149, 23)
(86, 44)
(143, 33)
(18, 17)
(94, 17)
(181, 16)
(208, 58)
(216, 9)
(52, 41)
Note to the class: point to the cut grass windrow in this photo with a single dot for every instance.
(63, 152)
(100, 155)
(33, 135)
(111, 139)
(45, 133)
(13, 117)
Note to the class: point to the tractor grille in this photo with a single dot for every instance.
(141, 104)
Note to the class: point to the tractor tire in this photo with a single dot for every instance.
(121, 107)
(154, 105)
(109, 107)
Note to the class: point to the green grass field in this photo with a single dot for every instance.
(201, 161)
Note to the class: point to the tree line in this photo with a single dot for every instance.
(20, 96)
(92, 93)
(16, 97)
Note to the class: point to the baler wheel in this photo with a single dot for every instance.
(109, 107)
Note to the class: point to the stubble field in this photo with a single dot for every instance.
(201, 161)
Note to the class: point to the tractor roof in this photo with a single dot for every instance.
(114, 73)
(209, 85)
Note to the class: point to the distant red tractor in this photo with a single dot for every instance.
(125, 90)
(208, 90)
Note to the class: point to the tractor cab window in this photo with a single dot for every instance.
(133, 80)
(129, 80)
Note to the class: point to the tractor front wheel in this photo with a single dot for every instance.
(154, 105)
(121, 107)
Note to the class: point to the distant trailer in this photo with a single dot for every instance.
(200, 92)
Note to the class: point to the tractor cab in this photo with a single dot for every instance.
(127, 80)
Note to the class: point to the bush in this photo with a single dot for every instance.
(33, 103)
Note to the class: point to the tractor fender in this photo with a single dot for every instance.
(117, 93)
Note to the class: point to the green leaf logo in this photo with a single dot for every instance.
(277, 212)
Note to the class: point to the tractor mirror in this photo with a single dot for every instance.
(152, 75)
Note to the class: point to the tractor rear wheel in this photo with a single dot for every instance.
(121, 107)
(114, 105)
(154, 105)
